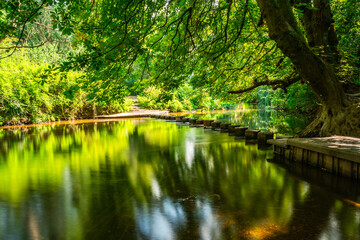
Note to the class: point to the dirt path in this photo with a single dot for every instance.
(135, 111)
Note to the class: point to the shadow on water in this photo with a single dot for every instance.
(151, 179)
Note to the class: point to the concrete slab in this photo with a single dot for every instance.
(347, 148)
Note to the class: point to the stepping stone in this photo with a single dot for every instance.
(264, 136)
(251, 134)
(231, 129)
(193, 120)
(240, 131)
(215, 125)
(224, 127)
(200, 121)
(207, 123)
(184, 120)
(179, 118)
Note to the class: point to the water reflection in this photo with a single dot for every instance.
(151, 179)
(265, 119)
(209, 226)
(162, 221)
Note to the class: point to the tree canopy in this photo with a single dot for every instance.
(228, 46)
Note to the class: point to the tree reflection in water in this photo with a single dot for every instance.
(151, 179)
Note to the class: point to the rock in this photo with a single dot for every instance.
(240, 131)
(215, 125)
(193, 120)
(264, 136)
(184, 120)
(224, 127)
(231, 129)
(207, 123)
(251, 134)
(179, 118)
(200, 121)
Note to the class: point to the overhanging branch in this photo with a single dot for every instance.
(274, 83)
(23, 29)
(18, 47)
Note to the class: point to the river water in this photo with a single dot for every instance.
(154, 179)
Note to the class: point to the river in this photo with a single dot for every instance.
(155, 179)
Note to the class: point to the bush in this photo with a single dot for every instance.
(149, 98)
(216, 104)
(33, 93)
(175, 106)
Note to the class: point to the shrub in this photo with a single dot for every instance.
(175, 106)
(33, 93)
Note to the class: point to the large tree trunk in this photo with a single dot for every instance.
(338, 115)
(319, 28)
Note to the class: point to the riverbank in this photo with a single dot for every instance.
(87, 112)
(338, 155)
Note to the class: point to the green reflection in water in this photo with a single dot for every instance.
(151, 179)
(264, 119)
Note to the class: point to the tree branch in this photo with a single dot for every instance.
(36, 46)
(275, 84)
(23, 29)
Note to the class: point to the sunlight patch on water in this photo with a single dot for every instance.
(161, 221)
(189, 152)
(209, 226)
(155, 188)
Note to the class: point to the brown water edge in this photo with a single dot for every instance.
(114, 119)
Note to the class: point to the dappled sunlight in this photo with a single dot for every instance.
(342, 143)
(264, 231)
(189, 152)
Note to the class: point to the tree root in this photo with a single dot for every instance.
(345, 122)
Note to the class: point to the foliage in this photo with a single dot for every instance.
(175, 106)
(297, 98)
(30, 92)
(347, 18)
(184, 98)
